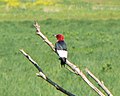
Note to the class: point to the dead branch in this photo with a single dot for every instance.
(42, 75)
(43, 37)
(71, 65)
(101, 84)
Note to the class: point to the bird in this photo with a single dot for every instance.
(61, 49)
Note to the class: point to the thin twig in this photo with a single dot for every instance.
(101, 84)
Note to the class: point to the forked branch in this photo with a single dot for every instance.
(71, 65)
(42, 75)
(101, 84)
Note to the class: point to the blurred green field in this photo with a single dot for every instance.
(61, 9)
(92, 36)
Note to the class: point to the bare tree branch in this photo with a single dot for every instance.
(71, 65)
(42, 75)
(101, 84)
(43, 37)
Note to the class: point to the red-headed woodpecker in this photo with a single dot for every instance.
(61, 48)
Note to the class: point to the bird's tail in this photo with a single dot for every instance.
(63, 61)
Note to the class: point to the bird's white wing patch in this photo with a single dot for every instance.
(62, 53)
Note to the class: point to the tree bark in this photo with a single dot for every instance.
(101, 84)
(42, 75)
(71, 65)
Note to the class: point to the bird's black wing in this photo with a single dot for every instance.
(60, 45)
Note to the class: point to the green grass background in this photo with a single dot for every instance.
(92, 36)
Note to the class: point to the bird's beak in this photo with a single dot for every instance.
(54, 35)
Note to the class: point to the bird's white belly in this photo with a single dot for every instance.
(62, 53)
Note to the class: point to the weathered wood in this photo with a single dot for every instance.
(42, 75)
(80, 73)
(101, 84)
(39, 33)
(71, 65)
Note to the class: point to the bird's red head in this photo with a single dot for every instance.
(60, 37)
